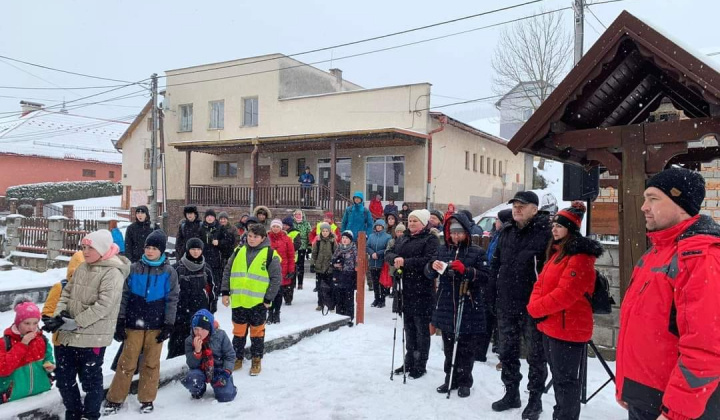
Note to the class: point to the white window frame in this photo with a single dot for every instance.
(254, 113)
(220, 123)
(185, 118)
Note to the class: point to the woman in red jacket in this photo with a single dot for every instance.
(560, 304)
(283, 245)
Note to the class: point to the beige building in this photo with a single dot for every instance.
(241, 132)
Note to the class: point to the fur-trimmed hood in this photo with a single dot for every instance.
(267, 210)
(583, 245)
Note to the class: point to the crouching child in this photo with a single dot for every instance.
(26, 357)
(146, 319)
(210, 357)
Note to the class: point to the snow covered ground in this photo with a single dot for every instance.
(112, 201)
(346, 375)
(24, 279)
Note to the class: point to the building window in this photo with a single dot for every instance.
(146, 158)
(284, 167)
(385, 175)
(474, 162)
(90, 173)
(467, 160)
(186, 117)
(111, 174)
(225, 169)
(482, 164)
(494, 166)
(250, 112)
(500, 168)
(217, 115)
(149, 124)
(300, 166)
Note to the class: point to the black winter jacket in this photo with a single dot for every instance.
(448, 294)
(417, 290)
(195, 281)
(517, 261)
(135, 236)
(212, 253)
(186, 231)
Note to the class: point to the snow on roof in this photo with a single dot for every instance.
(60, 135)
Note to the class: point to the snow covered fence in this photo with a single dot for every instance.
(37, 294)
(48, 406)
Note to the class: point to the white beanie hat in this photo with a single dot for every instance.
(101, 240)
(422, 214)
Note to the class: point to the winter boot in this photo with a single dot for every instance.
(146, 407)
(111, 408)
(417, 373)
(238, 364)
(399, 370)
(463, 392)
(381, 304)
(318, 308)
(534, 408)
(498, 367)
(256, 367)
(277, 317)
(443, 389)
(511, 399)
(374, 304)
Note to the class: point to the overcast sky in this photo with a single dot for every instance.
(129, 40)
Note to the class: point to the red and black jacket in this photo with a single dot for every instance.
(559, 295)
(668, 355)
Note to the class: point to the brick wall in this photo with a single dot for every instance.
(711, 173)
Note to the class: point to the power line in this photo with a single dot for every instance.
(62, 71)
(372, 51)
(485, 98)
(361, 41)
(64, 88)
(25, 98)
(596, 18)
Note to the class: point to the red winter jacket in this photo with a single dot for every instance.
(559, 293)
(282, 243)
(20, 354)
(376, 209)
(668, 354)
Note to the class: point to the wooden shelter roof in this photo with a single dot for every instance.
(620, 80)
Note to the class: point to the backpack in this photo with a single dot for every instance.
(601, 301)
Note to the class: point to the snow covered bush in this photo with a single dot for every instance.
(65, 191)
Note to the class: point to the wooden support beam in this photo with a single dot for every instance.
(608, 159)
(658, 158)
(187, 179)
(632, 220)
(595, 138)
(680, 131)
(609, 183)
(333, 171)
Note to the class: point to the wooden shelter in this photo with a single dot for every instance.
(599, 115)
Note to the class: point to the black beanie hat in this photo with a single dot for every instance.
(683, 186)
(194, 243)
(288, 221)
(571, 217)
(505, 215)
(438, 214)
(210, 212)
(158, 239)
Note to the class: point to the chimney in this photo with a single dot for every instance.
(338, 77)
(28, 107)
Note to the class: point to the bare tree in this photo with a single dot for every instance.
(530, 59)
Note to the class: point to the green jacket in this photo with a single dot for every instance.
(24, 365)
(304, 228)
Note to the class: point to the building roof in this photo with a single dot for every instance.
(522, 86)
(621, 79)
(470, 129)
(61, 135)
(131, 128)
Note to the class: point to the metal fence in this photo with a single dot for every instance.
(52, 210)
(33, 233)
(73, 231)
(92, 213)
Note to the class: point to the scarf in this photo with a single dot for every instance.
(207, 362)
(191, 265)
(157, 263)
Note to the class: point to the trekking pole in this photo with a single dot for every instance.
(400, 309)
(458, 322)
(392, 364)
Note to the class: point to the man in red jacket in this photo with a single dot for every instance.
(668, 355)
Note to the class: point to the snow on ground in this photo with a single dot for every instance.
(346, 375)
(92, 208)
(112, 201)
(26, 279)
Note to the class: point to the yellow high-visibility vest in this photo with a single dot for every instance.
(292, 236)
(248, 285)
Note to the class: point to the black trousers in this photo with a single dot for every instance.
(564, 358)
(300, 266)
(379, 292)
(464, 359)
(513, 327)
(277, 302)
(85, 363)
(288, 292)
(483, 341)
(417, 341)
(250, 320)
(636, 413)
(326, 294)
(176, 342)
(345, 301)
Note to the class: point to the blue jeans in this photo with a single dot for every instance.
(87, 364)
(195, 383)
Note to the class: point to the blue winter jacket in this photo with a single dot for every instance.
(150, 295)
(376, 243)
(357, 217)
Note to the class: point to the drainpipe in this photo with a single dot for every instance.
(253, 159)
(443, 121)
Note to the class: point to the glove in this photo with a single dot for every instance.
(5, 395)
(221, 378)
(290, 275)
(213, 306)
(312, 268)
(164, 333)
(458, 266)
(51, 324)
(69, 323)
(120, 334)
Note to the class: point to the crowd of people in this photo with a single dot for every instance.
(530, 293)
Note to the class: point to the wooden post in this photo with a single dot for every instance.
(361, 268)
(632, 185)
(187, 178)
(333, 170)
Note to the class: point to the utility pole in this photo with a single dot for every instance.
(579, 8)
(152, 195)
